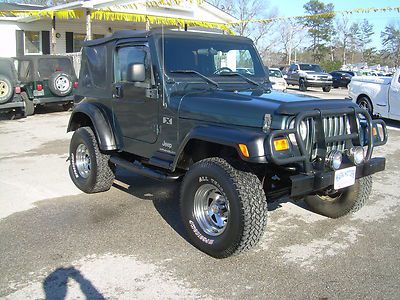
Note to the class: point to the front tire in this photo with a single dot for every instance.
(89, 168)
(346, 201)
(326, 89)
(223, 208)
(302, 85)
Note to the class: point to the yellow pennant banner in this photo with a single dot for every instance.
(155, 3)
(39, 14)
(108, 15)
(131, 17)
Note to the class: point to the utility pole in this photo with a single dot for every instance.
(89, 35)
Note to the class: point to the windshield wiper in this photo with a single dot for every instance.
(205, 78)
(243, 76)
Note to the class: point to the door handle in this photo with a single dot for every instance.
(117, 91)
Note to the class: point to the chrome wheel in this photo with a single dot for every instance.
(211, 209)
(62, 84)
(4, 89)
(82, 161)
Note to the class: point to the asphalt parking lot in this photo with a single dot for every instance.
(128, 243)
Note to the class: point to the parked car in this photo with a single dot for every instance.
(183, 113)
(11, 103)
(349, 72)
(308, 75)
(378, 95)
(277, 80)
(46, 79)
(340, 79)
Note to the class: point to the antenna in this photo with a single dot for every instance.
(163, 66)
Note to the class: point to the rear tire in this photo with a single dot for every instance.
(29, 107)
(366, 104)
(223, 209)
(89, 168)
(349, 200)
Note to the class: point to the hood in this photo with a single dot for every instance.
(248, 108)
(277, 79)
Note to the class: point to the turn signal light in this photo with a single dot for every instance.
(39, 87)
(244, 150)
(18, 90)
(281, 144)
(374, 131)
(75, 84)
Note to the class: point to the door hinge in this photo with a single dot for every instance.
(152, 93)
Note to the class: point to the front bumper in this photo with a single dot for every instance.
(53, 100)
(308, 184)
(318, 82)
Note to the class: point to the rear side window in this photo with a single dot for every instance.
(6, 69)
(24, 70)
(48, 66)
(94, 67)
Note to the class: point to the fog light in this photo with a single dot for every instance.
(356, 155)
(334, 159)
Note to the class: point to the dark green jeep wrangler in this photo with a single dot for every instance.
(172, 105)
(46, 79)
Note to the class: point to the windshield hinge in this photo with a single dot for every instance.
(152, 93)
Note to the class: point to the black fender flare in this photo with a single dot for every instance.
(232, 137)
(101, 118)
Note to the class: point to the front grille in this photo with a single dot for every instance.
(332, 126)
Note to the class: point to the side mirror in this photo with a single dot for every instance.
(136, 73)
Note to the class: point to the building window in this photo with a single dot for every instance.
(32, 42)
(79, 38)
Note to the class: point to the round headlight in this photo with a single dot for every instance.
(334, 159)
(356, 154)
(303, 128)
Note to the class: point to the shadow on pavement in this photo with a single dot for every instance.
(55, 285)
(164, 195)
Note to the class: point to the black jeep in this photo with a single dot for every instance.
(174, 105)
(10, 100)
(46, 79)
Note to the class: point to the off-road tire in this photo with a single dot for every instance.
(349, 201)
(247, 202)
(6, 89)
(29, 106)
(302, 85)
(60, 83)
(100, 177)
(365, 103)
(326, 89)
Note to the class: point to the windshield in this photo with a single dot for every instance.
(309, 67)
(212, 57)
(275, 73)
(48, 66)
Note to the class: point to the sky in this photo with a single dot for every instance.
(379, 20)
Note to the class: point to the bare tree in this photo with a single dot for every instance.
(343, 35)
(291, 35)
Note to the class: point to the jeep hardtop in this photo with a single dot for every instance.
(174, 105)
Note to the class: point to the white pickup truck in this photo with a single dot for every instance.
(379, 95)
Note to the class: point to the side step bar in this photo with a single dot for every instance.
(140, 169)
